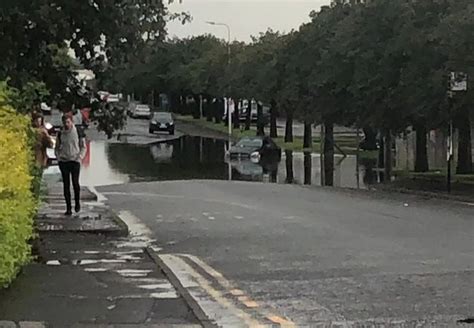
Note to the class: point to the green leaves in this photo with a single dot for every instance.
(17, 201)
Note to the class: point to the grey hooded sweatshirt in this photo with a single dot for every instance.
(69, 146)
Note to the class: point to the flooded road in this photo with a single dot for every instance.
(190, 158)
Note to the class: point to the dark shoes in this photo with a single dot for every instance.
(77, 209)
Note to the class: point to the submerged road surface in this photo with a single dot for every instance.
(314, 255)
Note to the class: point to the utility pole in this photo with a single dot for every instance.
(457, 83)
(229, 116)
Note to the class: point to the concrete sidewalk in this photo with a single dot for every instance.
(89, 273)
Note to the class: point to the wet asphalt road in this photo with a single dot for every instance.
(318, 254)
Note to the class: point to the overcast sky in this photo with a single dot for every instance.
(245, 17)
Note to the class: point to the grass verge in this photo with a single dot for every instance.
(347, 144)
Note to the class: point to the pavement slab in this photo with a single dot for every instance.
(61, 290)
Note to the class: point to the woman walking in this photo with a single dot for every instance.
(43, 142)
(70, 150)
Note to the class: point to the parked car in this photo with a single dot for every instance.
(255, 148)
(161, 121)
(141, 111)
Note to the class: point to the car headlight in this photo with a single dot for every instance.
(255, 156)
(154, 122)
(171, 123)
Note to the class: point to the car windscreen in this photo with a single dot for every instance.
(143, 108)
(250, 143)
(166, 117)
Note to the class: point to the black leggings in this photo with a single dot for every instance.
(71, 169)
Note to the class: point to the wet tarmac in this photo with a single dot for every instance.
(190, 158)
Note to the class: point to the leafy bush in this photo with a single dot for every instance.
(17, 200)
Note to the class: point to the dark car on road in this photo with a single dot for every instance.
(255, 148)
(161, 121)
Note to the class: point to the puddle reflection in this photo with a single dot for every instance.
(203, 158)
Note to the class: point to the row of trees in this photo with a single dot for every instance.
(45, 42)
(381, 66)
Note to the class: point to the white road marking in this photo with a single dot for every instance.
(89, 262)
(211, 218)
(135, 251)
(129, 257)
(53, 262)
(100, 197)
(95, 269)
(133, 273)
(165, 285)
(164, 295)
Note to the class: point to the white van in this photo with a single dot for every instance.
(141, 111)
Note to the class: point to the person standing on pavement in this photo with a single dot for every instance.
(70, 150)
(43, 141)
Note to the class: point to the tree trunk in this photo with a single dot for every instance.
(236, 115)
(308, 135)
(308, 165)
(370, 139)
(182, 106)
(196, 111)
(388, 155)
(209, 109)
(381, 158)
(248, 118)
(289, 166)
(464, 143)
(260, 122)
(217, 111)
(328, 154)
(421, 151)
(273, 119)
(289, 126)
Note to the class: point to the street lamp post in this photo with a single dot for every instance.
(457, 84)
(229, 116)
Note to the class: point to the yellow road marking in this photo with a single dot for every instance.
(281, 321)
(250, 304)
(217, 295)
(237, 292)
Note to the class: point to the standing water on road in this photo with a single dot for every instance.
(189, 158)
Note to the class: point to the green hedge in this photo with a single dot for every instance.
(18, 202)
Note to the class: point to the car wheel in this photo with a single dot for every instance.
(172, 132)
(150, 131)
